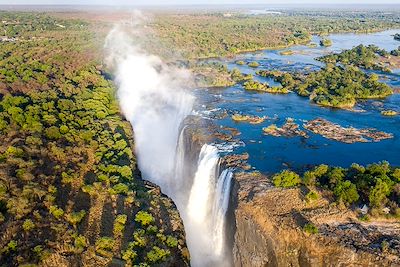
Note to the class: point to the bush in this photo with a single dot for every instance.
(144, 218)
(121, 188)
(171, 242)
(310, 228)
(53, 133)
(311, 196)
(157, 254)
(76, 217)
(286, 179)
(28, 225)
(119, 224)
(56, 212)
(254, 64)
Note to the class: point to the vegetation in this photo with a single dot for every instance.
(366, 57)
(254, 64)
(376, 185)
(214, 74)
(325, 42)
(286, 53)
(252, 85)
(333, 86)
(310, 228)
(389, 112)
(239, 33)
(66, 155)
(286, 179)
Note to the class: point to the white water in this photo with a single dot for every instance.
(153, 100)
(206, 209)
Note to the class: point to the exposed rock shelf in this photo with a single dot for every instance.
(269, 230)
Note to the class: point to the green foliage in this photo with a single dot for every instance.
(311, 196)
(366, 57)
(104, 245)
(332, 86)
(75, 218)
(157, 254)
(286, 179)
(346, 192)
(254, 64)
(378, 194)
(28, 225)
(11, 246)
(119, 224)
(121, 188)
(171, 242)
(80, 242)
(58, 213)
(310, 228)
(325, 42)
(53, 133)
(144, 218)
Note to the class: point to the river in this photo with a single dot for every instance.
(270, 154)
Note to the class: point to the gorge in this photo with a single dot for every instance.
(153, 100)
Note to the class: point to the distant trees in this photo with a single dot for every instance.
(333, 86)
(325, 42)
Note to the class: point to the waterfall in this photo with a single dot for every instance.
(154, 102)
(206, 209)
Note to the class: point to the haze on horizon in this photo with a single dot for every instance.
(194, 2)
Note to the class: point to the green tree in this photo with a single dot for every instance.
(286, 179)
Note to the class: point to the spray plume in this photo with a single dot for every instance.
(153, 99)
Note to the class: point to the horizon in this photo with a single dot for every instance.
(152, 3)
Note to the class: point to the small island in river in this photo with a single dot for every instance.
(348, 135)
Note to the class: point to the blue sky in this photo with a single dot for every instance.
(189, 2)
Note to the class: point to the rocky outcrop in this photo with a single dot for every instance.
(269, 230)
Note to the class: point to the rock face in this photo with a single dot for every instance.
(269, 230)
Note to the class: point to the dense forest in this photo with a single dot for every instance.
(366, 57)
(376, 185)
(70, 191)
(214, 35)
(333, 86)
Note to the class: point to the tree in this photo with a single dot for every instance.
(379, 193)
(286, 179)
(144, 218)
(346, 192)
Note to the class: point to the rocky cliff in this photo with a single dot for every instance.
(269, 230)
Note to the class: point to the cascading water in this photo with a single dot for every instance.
(206, 209)
(156, 105)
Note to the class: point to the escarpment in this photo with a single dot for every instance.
(271, 230)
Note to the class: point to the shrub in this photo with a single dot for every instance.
(76, 217)
(378, 194)
(171, 242)
(28, 225)
(104, 243)
(56, 212)
(119, 224)
(311, 196)
(144, 218)
(121, 188)
(253, 64)
(53, 133)
(286, 179)
(310, 228)
(157, 254)
(80, 242)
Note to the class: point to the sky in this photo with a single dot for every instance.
(191, 2)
